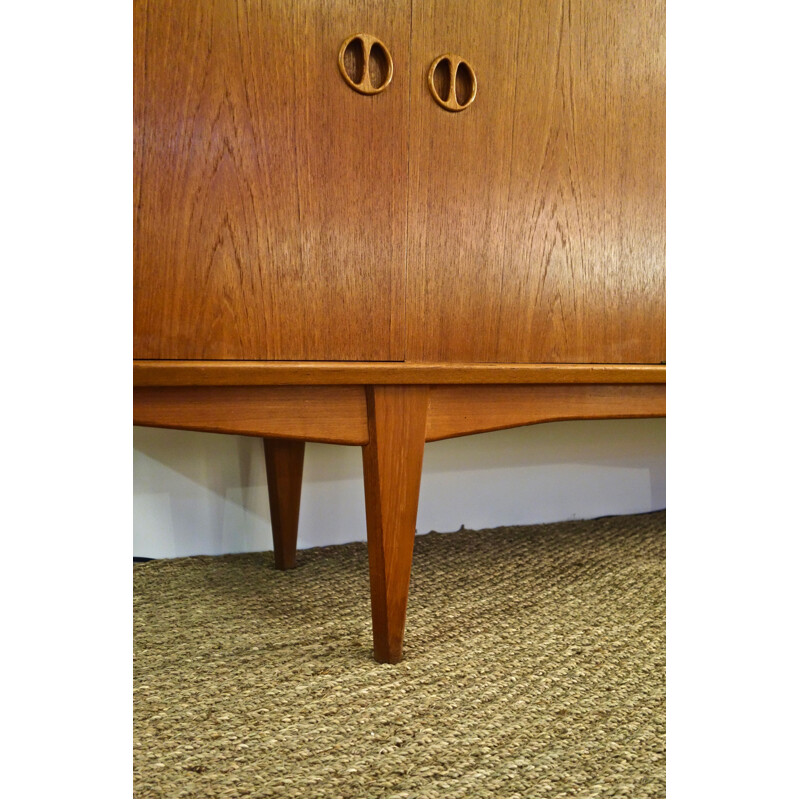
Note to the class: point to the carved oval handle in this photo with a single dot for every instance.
(452, 82)
(365, 63)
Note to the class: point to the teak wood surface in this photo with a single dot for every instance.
(338, 414)
(537, 215)
(281, 215)
(269, 197)
(392, 473)
(463, 410)
(265, 373)
(334, 414)
(284, 460)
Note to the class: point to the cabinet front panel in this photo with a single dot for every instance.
(537, 214)
(270, 197)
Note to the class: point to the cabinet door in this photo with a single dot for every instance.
(537, 214)
(270, 197)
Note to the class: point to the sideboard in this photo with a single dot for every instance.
(386, 224)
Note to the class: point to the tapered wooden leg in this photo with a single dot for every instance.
(392, 472)
(284, 479)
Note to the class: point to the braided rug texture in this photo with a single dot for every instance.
(534, 666)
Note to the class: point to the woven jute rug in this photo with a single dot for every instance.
(534, 667)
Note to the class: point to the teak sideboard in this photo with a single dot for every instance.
(383, 224)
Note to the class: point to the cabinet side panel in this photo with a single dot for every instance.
(270, 197)
(575, 273)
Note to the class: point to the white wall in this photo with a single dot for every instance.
(207, 493)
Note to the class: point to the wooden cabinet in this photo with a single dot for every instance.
(316, 264)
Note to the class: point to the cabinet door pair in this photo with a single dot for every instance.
(279, 214)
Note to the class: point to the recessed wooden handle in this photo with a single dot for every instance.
(365, 63)
(452, 82)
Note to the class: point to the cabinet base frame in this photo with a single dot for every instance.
(391, 422)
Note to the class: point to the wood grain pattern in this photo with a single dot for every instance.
(392, 473)
(537, 215)
(244, 373)
(459, 171)
(336, 414)
(284, 459)
(461, 410)
(270, 198)
(585, 279)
